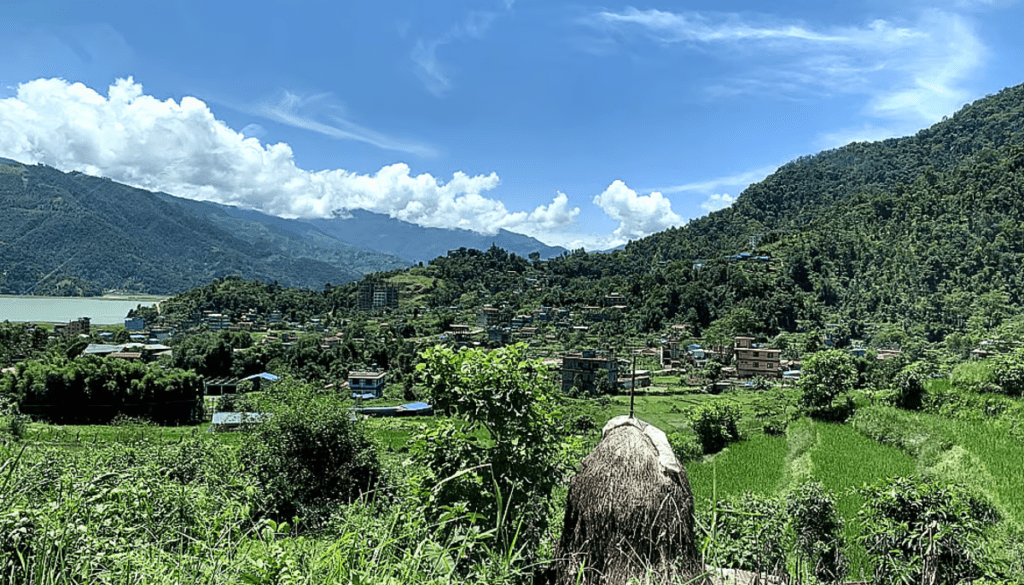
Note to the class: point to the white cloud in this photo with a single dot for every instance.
(737, 182)
(181, 148)
(555, 215)
(318, 114)
(638, 215)
(910, 73)
(718, 201)
(435, 75)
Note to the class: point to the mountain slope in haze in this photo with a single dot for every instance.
(406, 240)
(296, 237)
(70, 233)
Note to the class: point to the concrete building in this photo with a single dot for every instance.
(755, 360)
(366, 385)
(585, 370)
(377, 295)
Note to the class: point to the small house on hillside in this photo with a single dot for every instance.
(367, 385)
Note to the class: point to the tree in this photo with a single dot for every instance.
(502, 435)
(825, 377)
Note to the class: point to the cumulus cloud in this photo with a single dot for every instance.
(909, 72)
(718, 201)
(181, 148)
(638, 215)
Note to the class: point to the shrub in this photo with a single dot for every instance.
(1008, 371)
(685, 446)
(909, 385)
(817, 530)
(497, 457)
(924, 531)
(307, 455)
(747, 532)
(716, 425)
(974, 377)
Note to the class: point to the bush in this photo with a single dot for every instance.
(924, 531)
(497, 457)
(909, 385)
(307, 455)
(716, 425)
(747, 532)
(685, 446)
(1008, 372)
(817, 531)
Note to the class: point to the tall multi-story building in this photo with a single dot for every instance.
(585, 370)
(753, 360)
(377, 295)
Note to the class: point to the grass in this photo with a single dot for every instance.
(756, 464)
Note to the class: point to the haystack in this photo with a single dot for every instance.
(629, 513)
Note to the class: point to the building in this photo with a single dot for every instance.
(377, 295)
(615, 300)
(216, 321)
(366, 385)
(134, 323)
(585, 371)
(499, 335)
(489, 316)
(74, 328)
(754, 360)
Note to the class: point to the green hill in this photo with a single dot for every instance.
(70, 234)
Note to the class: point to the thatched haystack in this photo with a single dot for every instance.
(629, 513)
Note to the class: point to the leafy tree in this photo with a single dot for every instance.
(497, 456)
(206, 354)
(825, 377)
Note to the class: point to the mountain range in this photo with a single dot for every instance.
(76, 234)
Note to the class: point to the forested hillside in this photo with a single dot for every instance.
(74, 234)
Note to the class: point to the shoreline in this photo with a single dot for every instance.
(140, 298)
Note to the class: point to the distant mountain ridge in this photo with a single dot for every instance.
(75, 234)
(421, 244)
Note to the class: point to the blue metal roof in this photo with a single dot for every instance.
(416, 406)
(365, 396)
(263, 376)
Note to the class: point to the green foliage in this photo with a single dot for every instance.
(1008, 370)
(206, 354)
(497, 456)
(825, 377)
(307, 455)
(924, 531)
(685, 446)
(908, 387)
(747, 532)
(974, 377)
(818, 531)
(94, 389)
(716, 425)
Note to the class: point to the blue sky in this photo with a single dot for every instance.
(582, 124)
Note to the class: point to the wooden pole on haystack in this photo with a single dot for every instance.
(632, 386)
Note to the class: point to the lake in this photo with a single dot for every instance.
(101, 310)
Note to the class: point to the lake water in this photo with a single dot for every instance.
(101, 310)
